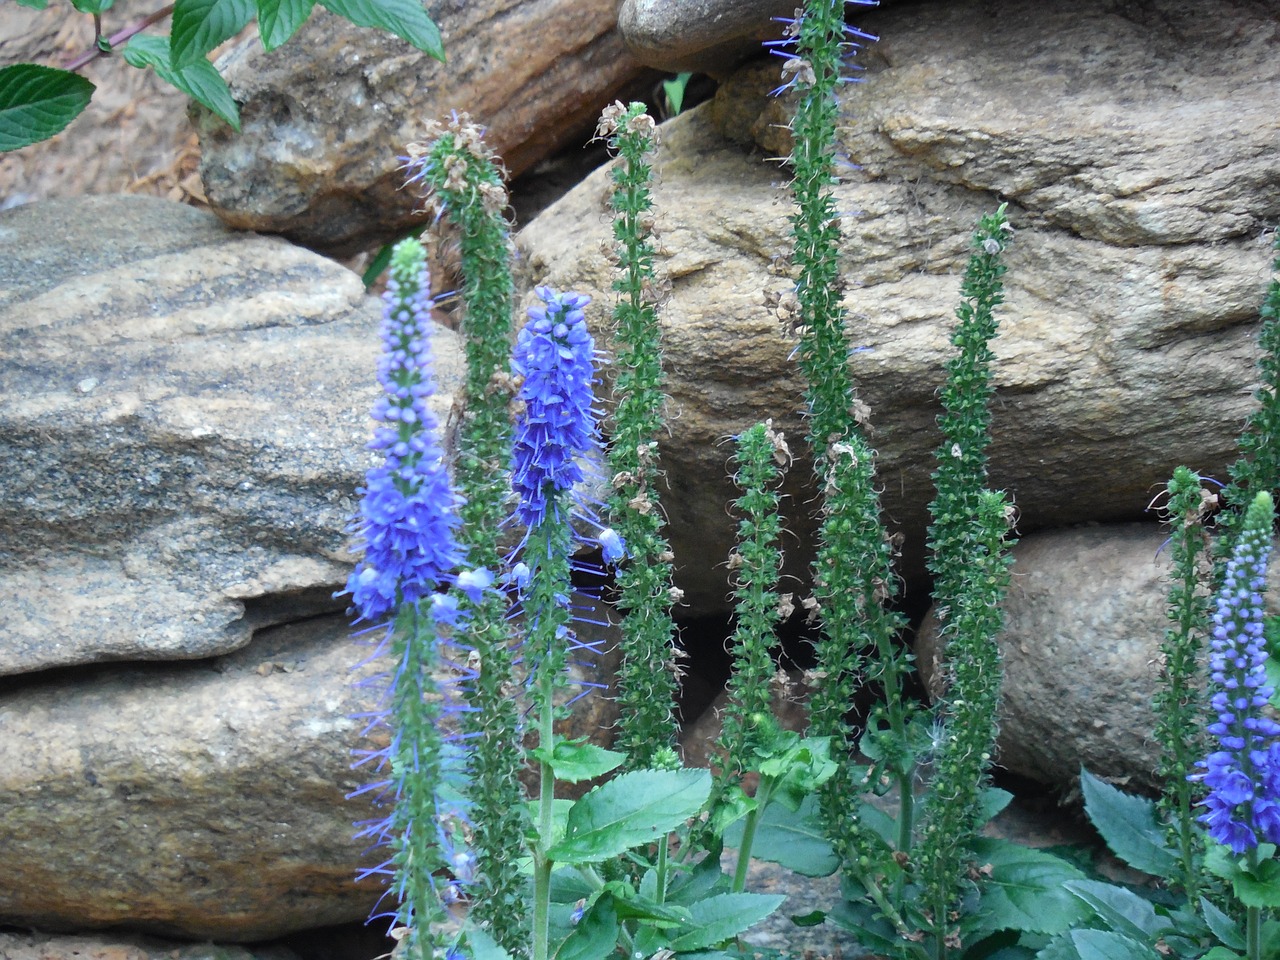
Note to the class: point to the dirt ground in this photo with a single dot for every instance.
(134, 137)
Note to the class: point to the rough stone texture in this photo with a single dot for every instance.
(202, 800)
(1084, 619)
(40, 946)
(699, 36)
(1127, 339)
(183, 430)
(325, 117)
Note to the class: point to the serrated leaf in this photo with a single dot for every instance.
(792, 838)
(718, 918)
(1224, 928)
(991, 804)
(405, 18)
(1108, 945)
(1024, 889)
(37, 102)
(1259, 887)
(1128, 824)
(278, 20)
(1121, 910)
(630, 811)
(200, 81)
(200, 25)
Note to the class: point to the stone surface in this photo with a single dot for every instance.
(41, 946)
(201, 800)
(1084, 619)
(699, 36)
(1127, 338)
(183, 435)
(325, 117)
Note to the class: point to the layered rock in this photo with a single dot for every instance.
(1084, 619)
(1127, 338)
(325, 117)
(699, 36)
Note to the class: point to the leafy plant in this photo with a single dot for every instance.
(38, 101)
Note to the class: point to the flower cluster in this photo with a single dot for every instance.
(1243, 776)
(408, 511)
(554, 357)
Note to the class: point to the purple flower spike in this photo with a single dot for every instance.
(408, 511)
(1243, 776)
(554, 355)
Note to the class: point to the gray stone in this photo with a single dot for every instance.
(1127, 339)
(42, 946)
(699, 36)
(204, 800)
(186, 410)
(325, 118)
(1084, 620)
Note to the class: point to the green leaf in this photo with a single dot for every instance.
(595, 936)
(992, 803)
(36, 102)
(673, 92)
(1221, 953)
(1129, 826)
(34, 4)
(1107, 945)
(718, 918)
(484, 947)
(278, 20)
(92, 6)
(629, 811)
(792, 838)
(1223, 927)
(1121, 910)
(577, 760)
(1259, 887)
(1024, 889)
(200, 25)
(405, 18)
(200, 81)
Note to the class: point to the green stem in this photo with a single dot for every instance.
(546, 820)
(1253, 917)
(749, 828)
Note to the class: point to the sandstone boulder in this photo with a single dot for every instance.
(699, 36)
(184, 431)
(1084, 620)
(1127, 340)
(325, 117)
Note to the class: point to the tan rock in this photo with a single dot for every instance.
(1127, 338)
(699, 36)
(1084, 620)
(41, 946)
(202, 800)
(325, 117)
(184, 430)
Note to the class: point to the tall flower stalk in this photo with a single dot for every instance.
(853, 577)
(1258, 468)
(407, 530)
(462, 182)
(648, 676)
(1242, 806)
(970, 563)
(555, 430)
(1178, 704)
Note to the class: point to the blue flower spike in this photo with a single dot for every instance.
(1242, 807)
(407, 531)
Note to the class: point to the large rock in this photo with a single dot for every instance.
(183, 435)
(1084, 620)
(699, 36)
(41, 946)
(325, 117)
(203, 800)
(1127, 339)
